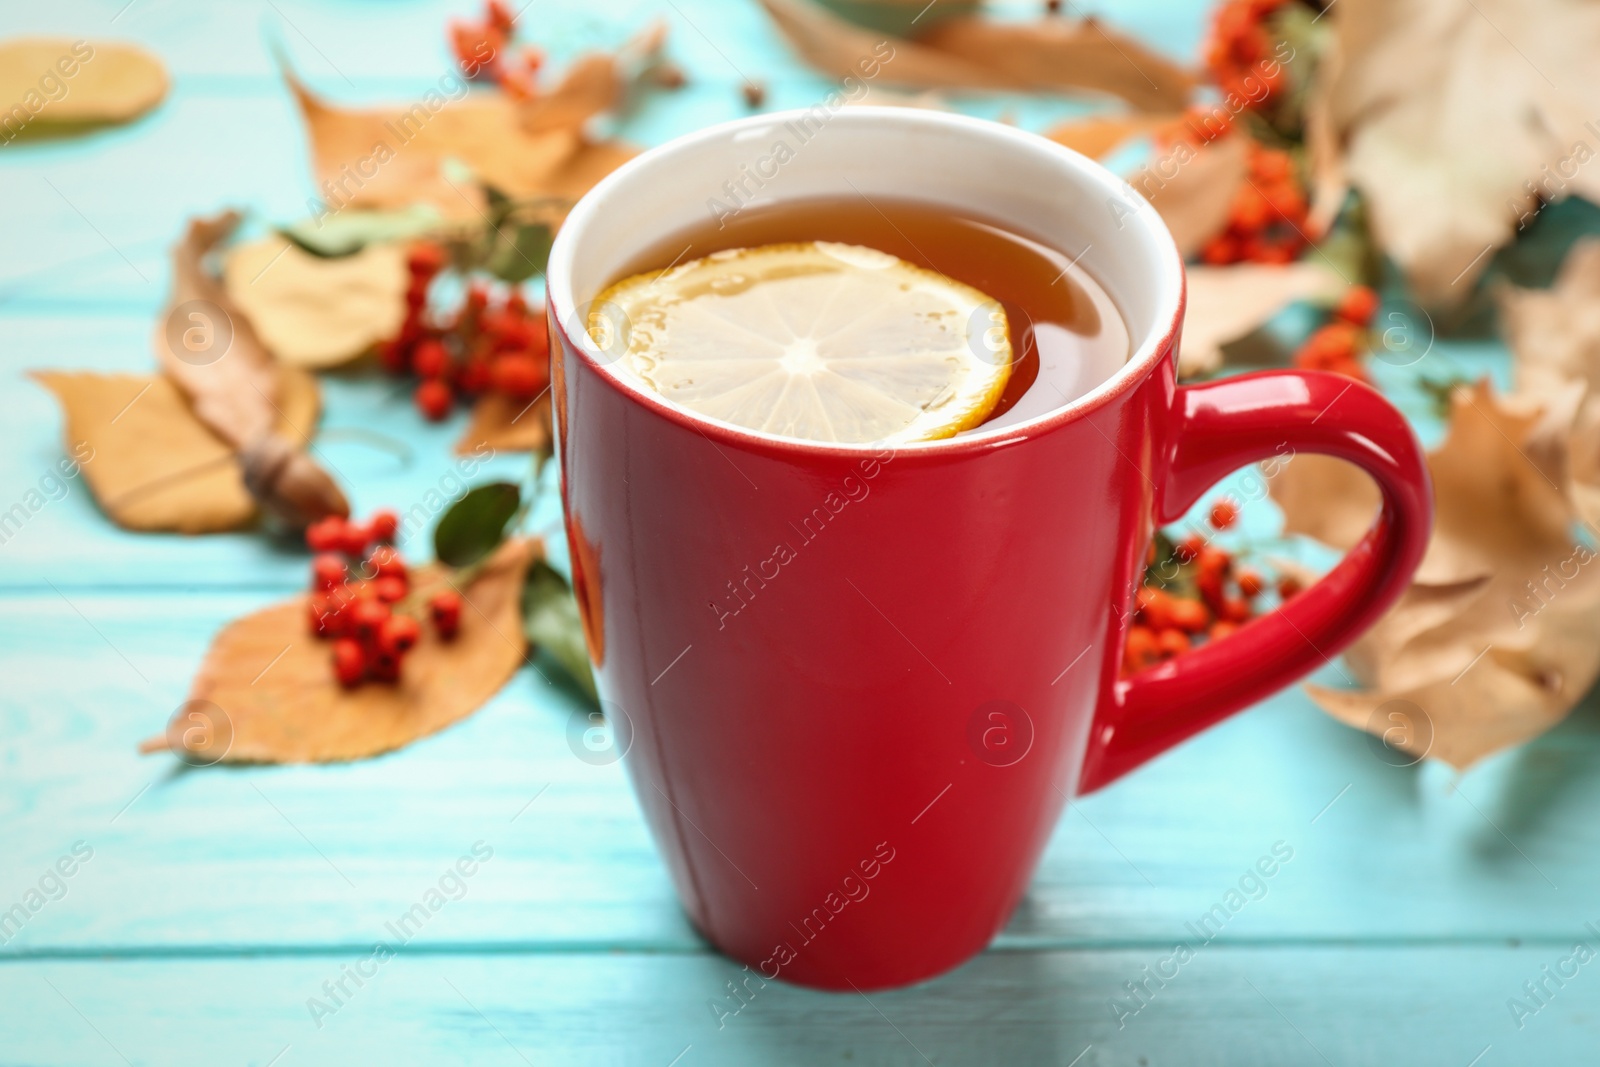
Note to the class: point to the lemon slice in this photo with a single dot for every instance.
(820, 341)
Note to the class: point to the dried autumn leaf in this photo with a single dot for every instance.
(1554, 335)
(507, 425)
(56, 85)
(312, 311)
(1499, 634)
(278, 701)
(1448, 113)
(970, 53)
(1061, 53)
(210, 351)
(157, 467)
(1226, 303)
(398, 155)
(1327, 183)
(1193, 189)
(1094, 137)
(595, 83)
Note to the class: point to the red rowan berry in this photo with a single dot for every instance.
(328, 571)
(434, 399)
(367, 618)
(349, 662)
(326, 535)
(384, 525)
(445, 610)
(1358, 305)
(399, 635)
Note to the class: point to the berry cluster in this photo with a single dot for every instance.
(481, 48)
(491, 342)
(1166, 622)
(1239, 52)
(355, 607)
(1336, 345)
(1267, 221)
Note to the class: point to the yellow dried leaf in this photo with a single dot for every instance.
(1448, 113)
(507, 425)
(312, 311)
(274, 699)
(55, 85)
(156, 466)
(1226, 303)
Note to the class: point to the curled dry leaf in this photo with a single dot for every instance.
(1499, 634)
(56, 85)
(156, 466)
(210, 351)
(1554, 335)
(507, 425)
(972, 53)
(1448, 113)
(296, 712)
(1226, 303)
(312, 311)
(1193, 188)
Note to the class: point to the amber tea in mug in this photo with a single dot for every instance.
(1067, 337)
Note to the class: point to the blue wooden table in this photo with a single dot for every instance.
(229, 915)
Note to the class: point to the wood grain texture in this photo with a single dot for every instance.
(1225, 1008)
(216, 902)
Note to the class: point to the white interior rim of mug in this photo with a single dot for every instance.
(1015, 178)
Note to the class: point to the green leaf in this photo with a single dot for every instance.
(476, 524)
(344, 233)
(550, 620)
(518, 250)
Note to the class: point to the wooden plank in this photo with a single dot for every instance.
(1428, 1007)
(275, 857)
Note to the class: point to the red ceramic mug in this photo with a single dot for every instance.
(860, 682)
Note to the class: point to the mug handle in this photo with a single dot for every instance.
(1224, 425)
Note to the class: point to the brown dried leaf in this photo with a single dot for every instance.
(1328, 184)
(1095, 137)
(210, 351)
(507, 425)
(1499, 633)
(1193, 188)
(404, 151)
(1326, 499)
(156, 466)
(971, 53)
(278, 700)
(1061, 53)
(312, 311)
(99, 82)
(1226, 303)
(1448, 113)
(595, 83)
(1554, 335)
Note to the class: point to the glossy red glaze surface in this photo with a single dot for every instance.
(861, 688)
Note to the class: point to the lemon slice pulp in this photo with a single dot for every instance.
(816, 340)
